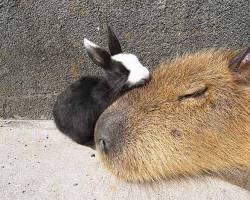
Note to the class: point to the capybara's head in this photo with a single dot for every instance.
(193, 117)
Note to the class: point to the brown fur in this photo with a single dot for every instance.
(164, 136)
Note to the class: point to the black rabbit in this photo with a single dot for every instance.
(77, 108)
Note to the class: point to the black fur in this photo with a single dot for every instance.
(100, 57)
(77, 108)
(114, 44)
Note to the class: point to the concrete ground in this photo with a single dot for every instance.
(37, 162)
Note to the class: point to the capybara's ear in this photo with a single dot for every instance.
(114, 44)
(98, 55)
(240, 64)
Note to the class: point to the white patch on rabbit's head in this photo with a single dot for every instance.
(137, 72)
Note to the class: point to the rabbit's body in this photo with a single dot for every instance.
(193, 117)
(79, 106)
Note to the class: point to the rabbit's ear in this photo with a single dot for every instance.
(99, 55)
(114, 44)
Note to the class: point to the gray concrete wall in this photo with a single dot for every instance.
(41, 43)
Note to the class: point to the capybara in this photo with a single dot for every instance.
(192, 118)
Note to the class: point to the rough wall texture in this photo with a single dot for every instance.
(41, 42)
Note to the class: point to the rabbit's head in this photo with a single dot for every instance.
(123, 70)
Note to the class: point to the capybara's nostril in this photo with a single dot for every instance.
(108, 131)
(103, 145)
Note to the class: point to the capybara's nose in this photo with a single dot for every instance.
(103, 145)
(108, 131)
